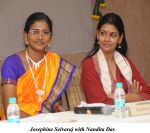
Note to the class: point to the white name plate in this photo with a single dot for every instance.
(139, 108)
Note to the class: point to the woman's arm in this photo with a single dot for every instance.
(140, 90)
(9, 90)
(131, 97)
(139, 86)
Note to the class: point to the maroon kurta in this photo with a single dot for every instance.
(93, 88)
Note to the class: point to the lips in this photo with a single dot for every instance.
(106, 45)
(40, 43)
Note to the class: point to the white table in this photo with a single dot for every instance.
(69, 116)
(69, 120)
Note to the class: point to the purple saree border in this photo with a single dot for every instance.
(65, 87)
(63, 90)
(52, 87)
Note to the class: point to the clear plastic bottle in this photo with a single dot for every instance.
(119, 99)
(13, 112)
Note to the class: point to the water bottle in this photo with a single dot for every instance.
(13, 112)
(119, 99)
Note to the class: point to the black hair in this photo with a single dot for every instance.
(114, 19)
(37, 16)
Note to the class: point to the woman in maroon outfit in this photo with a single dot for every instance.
(107, 64)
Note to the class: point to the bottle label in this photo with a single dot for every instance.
(119, 104)
(13, 119)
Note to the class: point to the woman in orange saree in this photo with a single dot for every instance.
(36, 77)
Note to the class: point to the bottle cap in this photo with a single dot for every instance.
(119, 85)
(12, 100)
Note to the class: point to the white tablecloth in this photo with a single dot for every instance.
(69, 116)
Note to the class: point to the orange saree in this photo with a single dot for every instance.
(54, 72)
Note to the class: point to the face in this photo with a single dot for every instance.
(108, 38)
(39, 36)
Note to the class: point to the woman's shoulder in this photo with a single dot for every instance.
(53, 58)
(12, 59)
(52, 54)
(129, 60)
(88, 62)
(11, 63)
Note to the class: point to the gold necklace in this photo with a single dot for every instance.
(39, 92)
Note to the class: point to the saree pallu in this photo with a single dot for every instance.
(58, 77)
(62, 81)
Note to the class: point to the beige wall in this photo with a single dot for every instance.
(136, 17)
(72, 25)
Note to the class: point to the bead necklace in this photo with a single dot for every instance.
(39, 92)
(35, 64)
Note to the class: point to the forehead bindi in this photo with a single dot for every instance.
(109, 28)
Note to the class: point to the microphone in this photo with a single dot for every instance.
(106, 110)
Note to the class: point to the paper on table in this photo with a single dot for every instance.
(84, 104)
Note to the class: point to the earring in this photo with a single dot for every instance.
(119, 46)
(49, 45)
(26, 42)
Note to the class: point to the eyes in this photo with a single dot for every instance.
(37, 32)
(111, 34)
